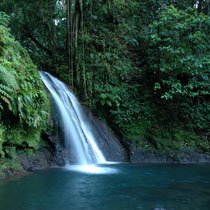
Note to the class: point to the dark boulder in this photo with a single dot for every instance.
(49, 156)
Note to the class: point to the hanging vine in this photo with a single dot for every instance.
(74, 24)
(76, 43)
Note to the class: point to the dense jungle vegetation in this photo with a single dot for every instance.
(143, 66)
(24, 111)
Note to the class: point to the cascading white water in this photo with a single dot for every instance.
(75, 127)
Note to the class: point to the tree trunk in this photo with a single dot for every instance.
(69, 45)
(200, 5)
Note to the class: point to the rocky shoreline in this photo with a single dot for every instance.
(53, 154)
(50, 156)
(187, 156)
(54, 157)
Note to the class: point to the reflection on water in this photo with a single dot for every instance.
(92, 169)
(126, 187)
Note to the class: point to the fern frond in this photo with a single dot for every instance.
(5, 96)
(4, 19)
(5, 88)
(7, 78)
(6, 101)
(1, 108)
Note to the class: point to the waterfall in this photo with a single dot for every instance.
(78, 140)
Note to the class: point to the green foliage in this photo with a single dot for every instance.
(146, 135)
(33, 24)
(21, 88)
(8, 83)
(20, 137)
(4, 21)
(179, 53)
(13, 139)
(2, 139)
(6, 164)
(176, 139)
(178, 59)
(135, 131)
(24, 105)
(141, 65)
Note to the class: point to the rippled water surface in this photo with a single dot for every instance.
(112, 187)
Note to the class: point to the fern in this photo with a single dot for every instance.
(8, 84)
(7, 78)
(4, 19)
(21, 89)
(5, 96)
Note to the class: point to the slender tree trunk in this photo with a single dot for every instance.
(52, 28)
(83, 52)
(69, 43)
(68, 38)
(200, 5)
(72, 32)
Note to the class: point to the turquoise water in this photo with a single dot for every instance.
(118, 187)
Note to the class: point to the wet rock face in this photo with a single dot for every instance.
(190, 156)
(39, 160)
(56, 149)
(139, 156)
(186, 156)
(107, 141)
(50, 156)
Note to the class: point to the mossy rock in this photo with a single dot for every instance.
(8, 164)
(24, 138)
(11, 152)
(164, 139)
